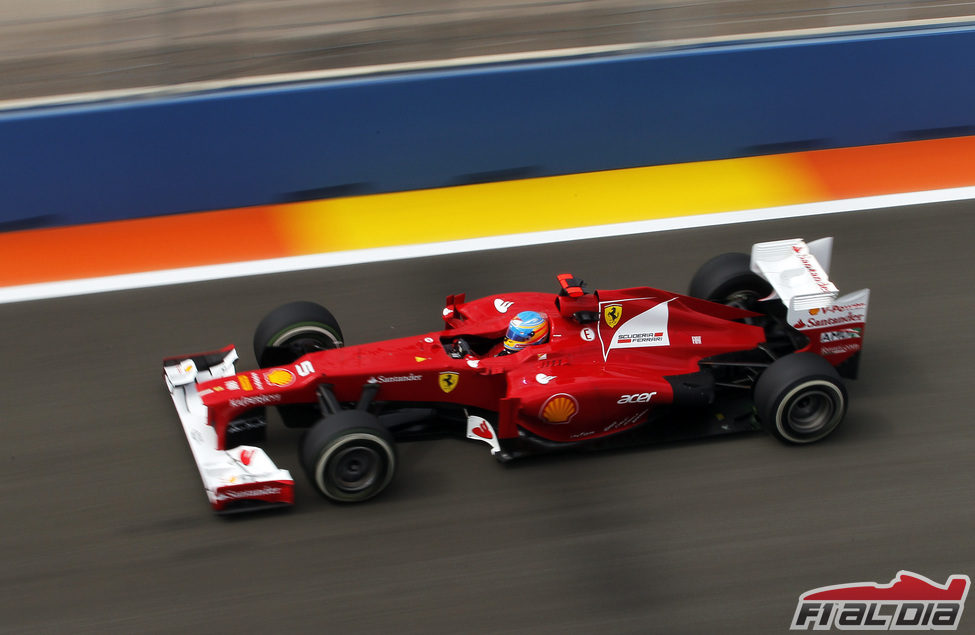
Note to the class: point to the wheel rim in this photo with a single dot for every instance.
(308, 344)
(321, 336)
(742, 298)
(355, 469)
(810, 411)
(298, 340)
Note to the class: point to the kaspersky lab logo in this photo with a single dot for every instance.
(910, 602)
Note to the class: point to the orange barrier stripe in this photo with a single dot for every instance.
(914, 166)
(150, 244)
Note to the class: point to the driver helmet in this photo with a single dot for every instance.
(526, 329)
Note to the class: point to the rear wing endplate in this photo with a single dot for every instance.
(799, 275)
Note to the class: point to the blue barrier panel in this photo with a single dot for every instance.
(269, 145)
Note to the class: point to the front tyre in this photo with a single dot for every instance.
(349, 457)
(286, 334)
(293, 330)
(800, 398)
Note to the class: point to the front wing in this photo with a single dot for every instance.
(241, 478)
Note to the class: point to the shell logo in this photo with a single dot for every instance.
(559, 408)
(280, 377)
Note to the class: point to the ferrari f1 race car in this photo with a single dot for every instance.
(759, 341)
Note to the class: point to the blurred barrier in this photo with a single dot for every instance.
(57, 47)
(80, 164)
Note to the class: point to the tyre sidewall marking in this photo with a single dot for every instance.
(309, 327)
(838, 414)
(342, 442)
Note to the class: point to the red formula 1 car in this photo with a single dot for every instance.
(759, 341)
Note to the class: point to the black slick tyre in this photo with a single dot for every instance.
(349, 457)
(287, 333)
(292, 330)
(728, 279)
(800, 398)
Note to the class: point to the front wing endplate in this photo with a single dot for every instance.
(241, 478)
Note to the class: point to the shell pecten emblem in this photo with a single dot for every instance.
(280, 377)
(559, 408)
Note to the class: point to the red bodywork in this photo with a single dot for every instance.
(591, 379)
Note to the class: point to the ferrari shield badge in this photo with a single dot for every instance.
(448, 380)
(612, 314)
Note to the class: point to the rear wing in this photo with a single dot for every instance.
(795, 272)
(799, 275)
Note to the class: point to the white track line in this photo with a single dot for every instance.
(260, 81)
(86, 286)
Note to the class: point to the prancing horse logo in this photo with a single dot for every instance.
(612, 314)
(448, 380)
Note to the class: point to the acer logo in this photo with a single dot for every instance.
(640, 397)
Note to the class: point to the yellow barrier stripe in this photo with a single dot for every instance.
(578, 200)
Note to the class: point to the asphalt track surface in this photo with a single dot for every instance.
(106, 528)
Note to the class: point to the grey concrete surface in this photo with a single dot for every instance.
(106, 530)
(63, 46)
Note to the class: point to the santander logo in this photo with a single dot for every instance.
(245, 456)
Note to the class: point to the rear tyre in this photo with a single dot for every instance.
(800, 398)
(293, 330)
(728, 279)
(349, 457)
